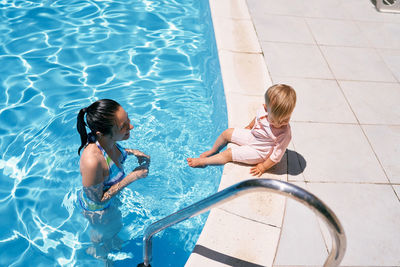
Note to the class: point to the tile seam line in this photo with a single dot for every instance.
(320, 225)
(331, 18)
(284, 208)
(379, 161)
(249, 219)
(327, 45)
(345, 123)
(240, 52)
(280, 232)
(259, 43)
(372, 47)
(334, 79)
(233, 18)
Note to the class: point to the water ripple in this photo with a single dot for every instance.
(158, 59)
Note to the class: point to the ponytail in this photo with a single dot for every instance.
(100, 117)
(81, 127)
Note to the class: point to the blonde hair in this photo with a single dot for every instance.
(281, 100)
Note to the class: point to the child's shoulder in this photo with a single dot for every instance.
(283, 132)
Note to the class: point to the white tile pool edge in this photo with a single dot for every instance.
(246, 229)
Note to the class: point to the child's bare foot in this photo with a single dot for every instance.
(196, 162)
(206, 154)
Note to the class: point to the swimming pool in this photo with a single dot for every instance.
(158, 59)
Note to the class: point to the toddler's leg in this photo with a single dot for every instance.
(217, 159)
(221, 141)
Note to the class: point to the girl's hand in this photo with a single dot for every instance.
(142, 160)
(257, 170)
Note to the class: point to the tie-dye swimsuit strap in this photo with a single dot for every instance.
(116, 174)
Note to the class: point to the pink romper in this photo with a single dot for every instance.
(261, 142)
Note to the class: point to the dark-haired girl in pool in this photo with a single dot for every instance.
(101, 166)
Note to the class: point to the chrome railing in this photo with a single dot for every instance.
(275, 186)
(391, 6)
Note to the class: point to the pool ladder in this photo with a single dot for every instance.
(391, 6)
(275, 186)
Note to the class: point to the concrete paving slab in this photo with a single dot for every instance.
(337, 32)
(385, 141)
(332, 9)
(283, 7)
(295, 60)
(244, 73)
(336, 152)
(263, 207)
(357, 64)
(297, 8)
(373, 103)
(366, 11)
(242, 109)
(301, 241)
(392, 60)
(243, 239)
(283, 29)
(370, 215)
(234, 9)
(381, 35)
(318, 101)
(236, 35)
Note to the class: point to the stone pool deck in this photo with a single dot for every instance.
(343, 59)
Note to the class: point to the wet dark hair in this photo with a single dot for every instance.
(99, 117)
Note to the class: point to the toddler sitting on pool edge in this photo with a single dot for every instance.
(263, 142)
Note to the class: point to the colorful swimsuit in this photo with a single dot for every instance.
(116, 174)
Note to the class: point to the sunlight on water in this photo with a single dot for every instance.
(159, 61)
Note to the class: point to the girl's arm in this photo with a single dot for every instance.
(93, 178)
(262, 167)
(142, 157)
(251, 124)
(114, 189)
(136, 152)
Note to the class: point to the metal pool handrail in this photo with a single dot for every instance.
(234, 191)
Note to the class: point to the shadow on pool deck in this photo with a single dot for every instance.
(295, 164)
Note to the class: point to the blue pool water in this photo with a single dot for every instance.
(158, 59)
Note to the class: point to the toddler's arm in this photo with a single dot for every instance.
(251, 124)
(262, 167)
